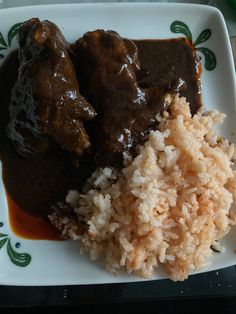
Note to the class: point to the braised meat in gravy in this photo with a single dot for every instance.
(46, 103)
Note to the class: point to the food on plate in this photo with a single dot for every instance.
(168, 204)
(172, 61)
(46, 102)
(110, 67)
(35, 188)
(31, 183)
(118, 123)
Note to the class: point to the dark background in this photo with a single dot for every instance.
(185, 306)
(208, 292)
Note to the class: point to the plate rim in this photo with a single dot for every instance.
(42, 7)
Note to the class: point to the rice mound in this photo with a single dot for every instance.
(166, 206)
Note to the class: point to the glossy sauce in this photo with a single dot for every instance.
(29, 183)
(169, 59)
(46, 106)
(28, 226)
(110, 69)
(33, 185)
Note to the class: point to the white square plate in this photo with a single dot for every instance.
(59, 263)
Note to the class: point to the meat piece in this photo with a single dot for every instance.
(46, 103)
(109, 67)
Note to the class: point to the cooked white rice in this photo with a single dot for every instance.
(167, 206)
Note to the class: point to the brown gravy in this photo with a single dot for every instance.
(33, 185)
(28, 226)
(168, 59)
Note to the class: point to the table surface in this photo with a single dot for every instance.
(215, 284)
(220, 283)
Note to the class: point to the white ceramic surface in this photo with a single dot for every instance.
(59, 263)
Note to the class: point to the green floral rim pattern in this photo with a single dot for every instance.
(179, 27)
(5, 44)
(19, 259)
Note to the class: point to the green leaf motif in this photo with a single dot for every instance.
(3, 48)
(180, 27)
(19, 259)
(210, 58)
(2, 242)
(2, 235)
(204, 36)
(13, 32)
(2, 40)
